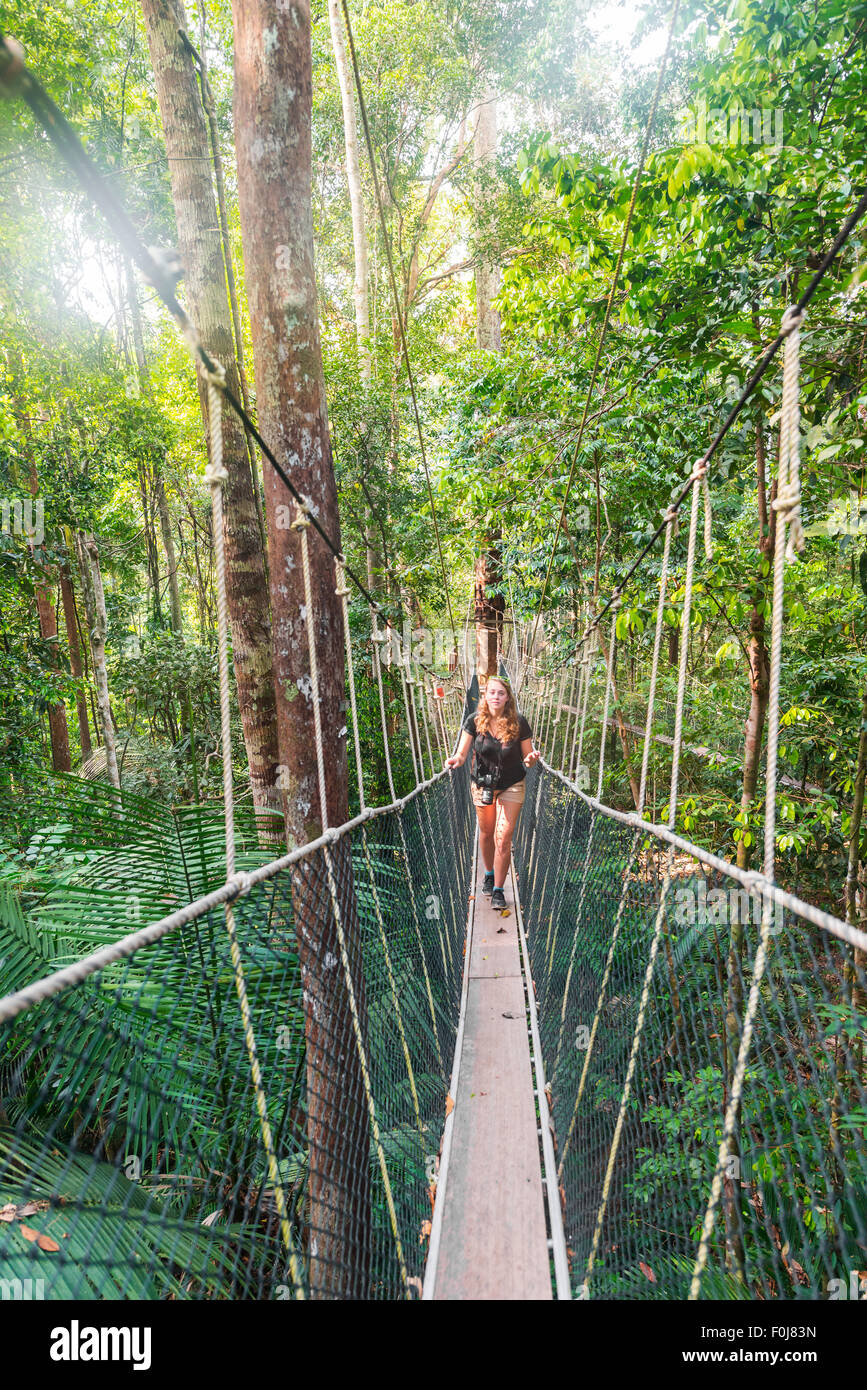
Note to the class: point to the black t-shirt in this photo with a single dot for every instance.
(492, 754)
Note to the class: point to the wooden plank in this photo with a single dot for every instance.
(494, 950)
(493, 1242)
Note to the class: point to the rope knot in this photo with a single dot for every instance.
(302, 520)
(699, 471)
(671, 515)
(788, 502)
(242, 881)
(215, 473)
(215, 375)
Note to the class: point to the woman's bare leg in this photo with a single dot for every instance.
(487, 816)
(507, 819)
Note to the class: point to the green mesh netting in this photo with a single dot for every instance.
(131, 1156)
(793, 1216)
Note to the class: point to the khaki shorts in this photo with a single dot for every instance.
(514, 793)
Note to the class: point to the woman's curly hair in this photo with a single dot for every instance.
(509, 716)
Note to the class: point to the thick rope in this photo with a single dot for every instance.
(215, 475)
(240, 883)
(429, 838)
(788, 499)
(708, 518)
(424, 716)
(378, 638)
(301, 523)
(558, 723)
(445, 849)
(697, 476)
(570, 708)
(588, 853)
(671, 520)
(754, 882)
(787, 505)
(549, 711)
(411, 732)
(343, 594)
(609, 683)
(590, 657)
(573, 714)
(621, 906)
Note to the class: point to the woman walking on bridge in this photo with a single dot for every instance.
(502, 747)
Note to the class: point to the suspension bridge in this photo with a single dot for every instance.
(345, 1076)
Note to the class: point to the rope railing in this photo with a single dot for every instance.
(637, 1164)
(130, 1125)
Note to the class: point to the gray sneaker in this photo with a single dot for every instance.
(498, 899)
(488, 883)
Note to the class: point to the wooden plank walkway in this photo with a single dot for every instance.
(493, 1239)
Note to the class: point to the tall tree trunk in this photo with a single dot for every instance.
(175, 611)
(57, 725)
(214, 133)
(356, 199)
(488, 571)
(487, 270)
(273, 101)
(94, 607)
(67, 595)
(158, 482)
(488, 608)
(186, 138)
(359, 246)
(153, 559)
